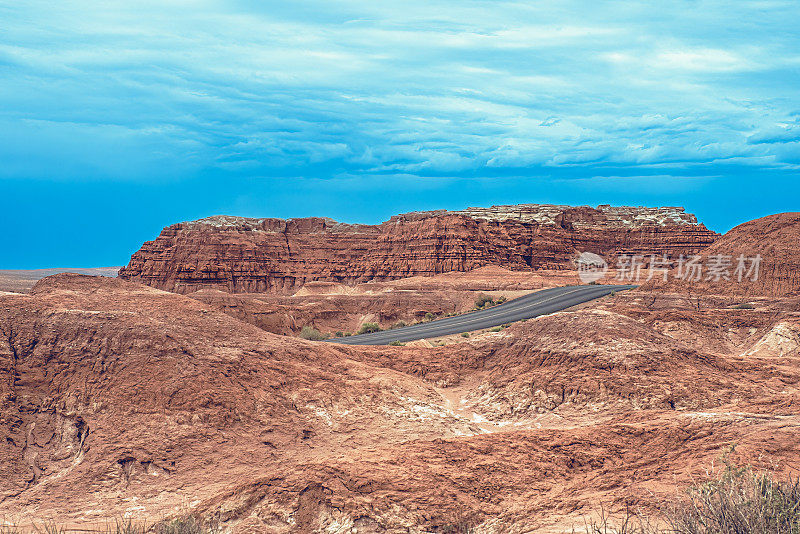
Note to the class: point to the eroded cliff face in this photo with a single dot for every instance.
(237, 254)
(773, 239)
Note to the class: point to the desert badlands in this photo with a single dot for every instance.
(184, 387)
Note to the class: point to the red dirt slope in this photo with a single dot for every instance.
(120, 398)
(775, 238)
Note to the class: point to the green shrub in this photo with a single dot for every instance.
(397, 344)
(348, 334)
(368, 328)
(311, 333)
(429, 316)
(483, 301)
(465, 334)
(398, 324)
(501, 300)
(496, 329)
(744, 306)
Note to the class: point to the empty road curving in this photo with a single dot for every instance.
(525, 307)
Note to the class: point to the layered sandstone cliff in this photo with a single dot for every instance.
(239, 254)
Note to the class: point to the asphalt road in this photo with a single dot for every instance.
(525, 307)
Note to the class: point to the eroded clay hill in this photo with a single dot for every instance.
(236, 254)
(120, 398)
(775, 239)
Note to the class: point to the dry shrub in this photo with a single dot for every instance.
(740, 501)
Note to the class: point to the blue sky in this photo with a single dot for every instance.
(118, 118)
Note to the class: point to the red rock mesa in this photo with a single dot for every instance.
(237, 254)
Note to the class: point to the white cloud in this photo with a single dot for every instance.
(426, 87)
(703, 60)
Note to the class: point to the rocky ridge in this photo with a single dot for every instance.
(237, 254)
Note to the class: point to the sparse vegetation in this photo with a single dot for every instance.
(429, 316)
(630, 523)
(187, 525)
(744, 306)
(397, 344)
(368, 328)
(483, 301)
(348, 334)
(398, 324)
(464, 334)
(740, 500)
(339, 333)
(311, 333)
(496, 329)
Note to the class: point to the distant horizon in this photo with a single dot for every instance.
(137, 246)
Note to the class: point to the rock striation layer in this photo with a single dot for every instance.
(237, 254)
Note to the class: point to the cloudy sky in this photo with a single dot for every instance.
(117, 118)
